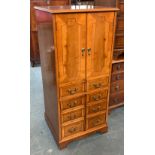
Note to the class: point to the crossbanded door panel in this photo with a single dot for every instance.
(99, 43)
(70, 39)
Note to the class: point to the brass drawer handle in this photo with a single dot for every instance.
(83, 51)
(72, 104)
(97, 122)
(73, 129)
(97, 85)
(72, 91)
(117, 87)
(72, 116)
(115, 100)
(97, 97)
(96, 109)
(118, 67)
(89, 51)
(118, 77)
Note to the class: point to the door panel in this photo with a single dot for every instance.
(99, 41)
(71, 38)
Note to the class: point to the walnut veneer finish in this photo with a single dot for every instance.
(76, 48)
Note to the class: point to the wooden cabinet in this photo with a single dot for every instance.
(76, 48)
(34, 47)
(117, 79)
(118, 54)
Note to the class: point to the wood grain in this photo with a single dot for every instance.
(73, 107)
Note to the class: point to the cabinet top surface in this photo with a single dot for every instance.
(75, 8)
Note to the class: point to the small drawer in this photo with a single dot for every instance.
(121, 7)
(117, 67)
(71, 90)
(72, 129)
(72, 103)
(72, 115)
(98, 83)
(117, 86)
(97, 96)
(116, 99)
(120, 24)
(97, 107)
(116, 77)
(118, 54)
(96, 121)
(119, 41)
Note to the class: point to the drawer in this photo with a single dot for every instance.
(72, 115)
(72, 103)
(97, 107)
(117, 67)
(116, 98)
(97, 96)
(119, 41)
(121, 7)
(120, 24)
(117, 86)
(96, 121)
(118, 54)
(71, 90)
(116, 77)
(97, 83)
(72, 129)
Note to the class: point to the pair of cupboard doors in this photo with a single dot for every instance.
(84, 45)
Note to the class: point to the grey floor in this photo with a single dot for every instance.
(42, 142)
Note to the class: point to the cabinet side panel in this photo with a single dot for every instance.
(48, 67)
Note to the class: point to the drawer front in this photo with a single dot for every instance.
(117, 86)
(96, 121)
(72, 129)
(118, 54)
(72, 115)
(116, 99)
(116, 77)
(121, 11)
(72, 103)
(119, 41)
(97, 107)
(118, 67)
(71, 90)
(98, 83)
(120, 24)
(97, 96)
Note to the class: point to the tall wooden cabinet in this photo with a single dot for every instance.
(34, 47)
(76, 48)
(117, 76)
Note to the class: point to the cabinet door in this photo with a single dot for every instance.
(100, 31)
(70, 40)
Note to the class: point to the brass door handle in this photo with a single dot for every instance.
(89, 51)
(83, 50)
